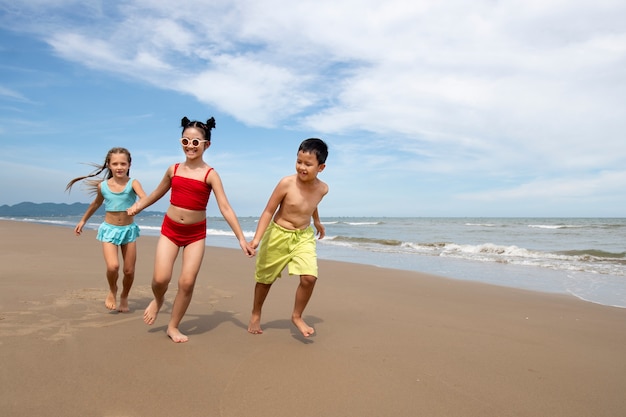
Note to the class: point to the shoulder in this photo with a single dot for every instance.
(286, 183)
(210, 174)
(288, 180)
(324, 187)
(171, 169)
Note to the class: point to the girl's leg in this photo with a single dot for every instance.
(192, 260)
(165, 256)
(129, 254)
(111, 260)
(303, 295)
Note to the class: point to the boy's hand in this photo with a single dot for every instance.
(321, 230)
(247, 249)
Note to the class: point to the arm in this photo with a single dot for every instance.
(138, 190)
(227, 211)
(266, 217)
(93, 207)
(158, 192)
(321, 230)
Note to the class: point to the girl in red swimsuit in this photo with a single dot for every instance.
(184, 224)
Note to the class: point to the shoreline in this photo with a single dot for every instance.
(582, 284)
(388, 342)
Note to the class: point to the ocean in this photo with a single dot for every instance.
(584, 257)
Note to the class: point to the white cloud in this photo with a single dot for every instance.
(604, 183)
(527, 93)
(11, 94)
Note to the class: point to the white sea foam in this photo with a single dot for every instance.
(584, 257)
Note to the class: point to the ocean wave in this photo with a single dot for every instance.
(593, 261)
(361, 223)
(41, 221)
(367, 240)
(556, 226)
(578, 226)
(594, 254)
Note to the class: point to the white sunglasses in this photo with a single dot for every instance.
(192, 142)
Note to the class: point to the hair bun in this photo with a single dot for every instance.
(210, 124)
(184, 122)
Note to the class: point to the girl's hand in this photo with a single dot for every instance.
(132, 210)
(247, 249)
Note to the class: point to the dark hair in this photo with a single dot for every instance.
(205, 127)
(315, 146)
(93, 184)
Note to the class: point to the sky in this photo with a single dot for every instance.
(512, 108)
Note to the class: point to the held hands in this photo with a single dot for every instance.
(133, 210)
(247, 248)
(252, 245)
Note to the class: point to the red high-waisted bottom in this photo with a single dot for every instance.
(183, 234)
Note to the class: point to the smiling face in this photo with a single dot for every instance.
(119, 165)
(190, 150)
(307, 166)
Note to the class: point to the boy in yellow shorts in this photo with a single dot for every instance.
(285, 234)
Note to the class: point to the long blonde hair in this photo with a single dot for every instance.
(92, 184)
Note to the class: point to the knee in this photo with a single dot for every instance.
(308, 280)
(113, 267)
(159, 284)
(186, 285)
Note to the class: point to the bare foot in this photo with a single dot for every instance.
(151, 312)
(123, 308)
(304, 328)
(110, 301)
(176, 335)
(254, 326)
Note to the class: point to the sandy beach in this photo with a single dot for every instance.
(387, 342)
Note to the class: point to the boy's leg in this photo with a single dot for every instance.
(166, 253)
(260, 293)
(303, 295)
(111, 260)
(192, 260)
(129, 254)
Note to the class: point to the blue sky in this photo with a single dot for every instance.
(430, 108)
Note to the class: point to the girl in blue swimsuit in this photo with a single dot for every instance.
(119, 231)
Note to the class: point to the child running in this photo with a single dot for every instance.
(286, 236)
(184, 224)
(118, 231)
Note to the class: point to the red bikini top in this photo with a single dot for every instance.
(188, 193)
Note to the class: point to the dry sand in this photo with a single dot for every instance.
(387, 342)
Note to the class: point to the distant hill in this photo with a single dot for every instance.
(47, 210)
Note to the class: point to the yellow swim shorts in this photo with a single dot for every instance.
(282, 247)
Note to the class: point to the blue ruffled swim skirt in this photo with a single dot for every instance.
(118, 235)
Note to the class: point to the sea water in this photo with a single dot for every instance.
(584, 257)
